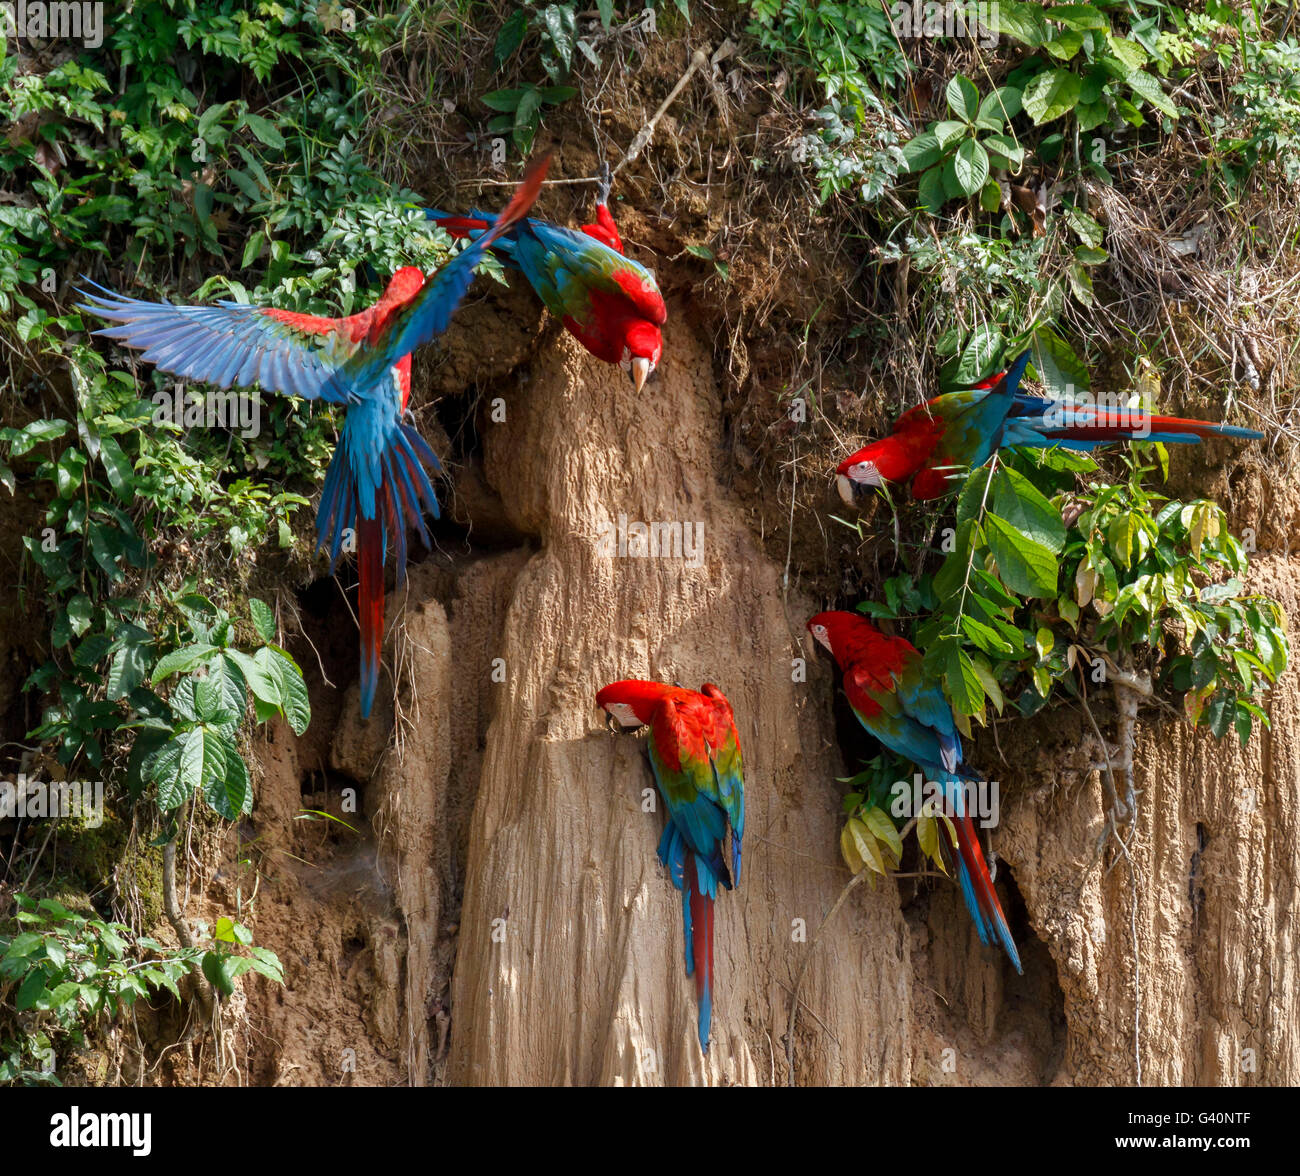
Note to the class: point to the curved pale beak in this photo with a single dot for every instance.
(845, 487)
(640, 371)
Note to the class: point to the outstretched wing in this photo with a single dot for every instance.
(426, 315)
(232, 343)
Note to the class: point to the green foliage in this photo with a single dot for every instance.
(521, 110)
(61, 972)
(187, 743)
(846, 57)
(548, 35)
(1083, 64)
(849, 50)
(871, 838)
(954, 156)
(246, 166)
(844, 159)
(1025, 603)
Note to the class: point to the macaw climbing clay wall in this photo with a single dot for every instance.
(505, 920)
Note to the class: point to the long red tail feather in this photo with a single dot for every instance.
(986, 897)
(702, 946)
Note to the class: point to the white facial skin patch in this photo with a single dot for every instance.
(623, 715)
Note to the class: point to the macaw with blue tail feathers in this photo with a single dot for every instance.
(893, 700)
(937, 443)
(609, 303)
(695, 756)
(376, 485)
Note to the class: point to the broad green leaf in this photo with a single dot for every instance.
(963, 685)
(265, 130)
(512, 35)
(1004, 152)
(922, 152)
(1077, 16)
(1026, 567)
(181, 661)
(1066, 45)
(930, 193)
(1149, 89)
(79, 613)
(228, 791)
(977, 358)
(1016, 499)
(506, 101)
(253, 249)
(1022, 22)
(219, 970)
(262, 681)
(1062, 372)
(1090, 116)
(947, 133)
(263, 619)
(558, 21)
(1130, 54)
(30, 991)
(1051, 94)
(971, 166)
(126, 671)
(882, 828)
(293, 690)
(117, 467)
(963, 98)
(164, 768)
(68, 472)
(999, 107)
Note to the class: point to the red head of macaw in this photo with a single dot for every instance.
(376, 485)
(937, 443)
(892, 698)
(608, 302)
(695, 756)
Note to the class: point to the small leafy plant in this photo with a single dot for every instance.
(188, 742)
(954, 156)
(61, 972)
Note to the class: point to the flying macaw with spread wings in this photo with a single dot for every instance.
(695, 756)
(609, 303)
(936, 443)
(376, 483)
(893, 700)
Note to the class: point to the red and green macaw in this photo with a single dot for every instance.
(892, 699)
(936, 443)
(609, 303)
(695, 756)
(376, 485)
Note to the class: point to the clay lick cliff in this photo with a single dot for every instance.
(511, 924)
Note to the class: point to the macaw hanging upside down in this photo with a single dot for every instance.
(609, 303)
(937, 443)
(376, 486)
(695, 756)
(891, 698)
